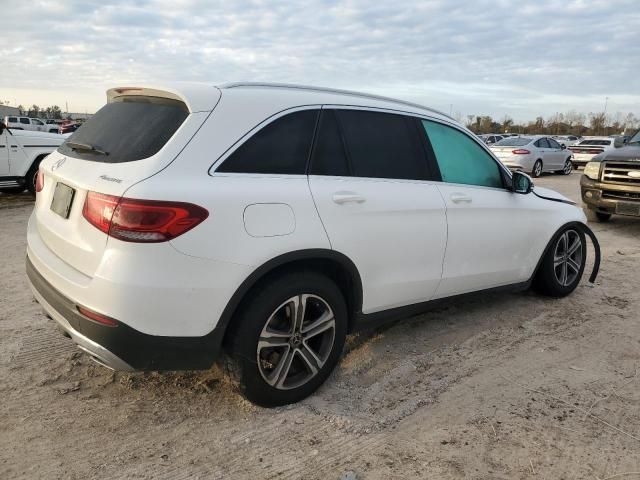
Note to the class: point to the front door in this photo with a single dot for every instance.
(489, 227)
(370, 182)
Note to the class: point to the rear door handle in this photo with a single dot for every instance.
(347, 197)
(460, 198)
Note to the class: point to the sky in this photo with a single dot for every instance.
(518, 58)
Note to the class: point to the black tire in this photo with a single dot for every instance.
(30, 177)
(548, 278)
(12, 190)
(259, 371)
(536, 171)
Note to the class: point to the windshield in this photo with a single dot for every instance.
(129, 128)
(635, 138)
(513, 142)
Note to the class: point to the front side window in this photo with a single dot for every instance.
(24, 121)
(13, 120)
(281, 147)
(461, 159)
(36, 122)
(382, 145)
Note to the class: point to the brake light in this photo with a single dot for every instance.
(521, 151)
(97, 317)
(39, 180)
(144, 221)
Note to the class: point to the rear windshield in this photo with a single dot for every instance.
(595, 142)
(513, 142)
(128, 129)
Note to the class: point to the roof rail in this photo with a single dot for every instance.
(333, 90)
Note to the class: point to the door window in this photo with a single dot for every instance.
(554, 144)
(382, 145)
(24, 120)
(36, 122)
(329, 156)
(281, 147)
(461, 159)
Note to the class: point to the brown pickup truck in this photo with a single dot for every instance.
(611, 182)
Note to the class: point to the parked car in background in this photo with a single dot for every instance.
(27, 123)
(21, 152)
(490, 139)
(69, 127)
(533, 154)
(588, 148)
(566, 140)
(611, 181)
(54, 125)
(185, 220)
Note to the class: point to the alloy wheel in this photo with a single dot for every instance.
(567, 257)
(568, 167)
(537, 169)
(296, 341)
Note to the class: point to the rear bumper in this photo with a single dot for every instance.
(122, 347)
(600, 197)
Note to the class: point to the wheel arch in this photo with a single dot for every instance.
(335, 265)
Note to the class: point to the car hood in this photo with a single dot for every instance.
(547, 192)
(34, 135)
(629, 152)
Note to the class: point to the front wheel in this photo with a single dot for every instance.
(568, 167)
(563, 264)
(288, 338)
(537, 169)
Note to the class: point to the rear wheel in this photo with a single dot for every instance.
(288, 338)
(537, 169)
(30, 177)
(568, 167)
(562, 265)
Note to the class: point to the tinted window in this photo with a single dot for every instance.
(24, 120)
(460, 158)
(513, 142)
(281, 147)
(130, 128)
(595, 142)
(329, 156)
(13, 119)
(36, 122)
(553, 143)
(382, 145)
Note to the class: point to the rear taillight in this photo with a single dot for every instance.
(39, 181)
(521, 151)
(144, 221)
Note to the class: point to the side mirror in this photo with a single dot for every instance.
(521, 183)
(563, 146)
(618, 142)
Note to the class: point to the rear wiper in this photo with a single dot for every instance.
(87, 147)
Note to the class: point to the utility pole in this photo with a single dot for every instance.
(604, 117)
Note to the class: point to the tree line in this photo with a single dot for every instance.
(569, 123)
(36, 111)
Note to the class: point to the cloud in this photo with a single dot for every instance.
(488, 57)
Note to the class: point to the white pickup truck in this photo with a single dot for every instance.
(21, 152)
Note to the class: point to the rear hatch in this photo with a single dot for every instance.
(138, 133)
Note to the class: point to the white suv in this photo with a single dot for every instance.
(269, 221)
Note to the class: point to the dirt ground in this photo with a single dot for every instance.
(506, 386)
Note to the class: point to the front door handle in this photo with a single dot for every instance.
(347, 197)
(460, 198)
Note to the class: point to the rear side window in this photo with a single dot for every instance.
(553, 143)
(329, 156)
(460, 159)
(128, 129)
(281, 147)
(382, 145)
(25, 121)
(13, 119)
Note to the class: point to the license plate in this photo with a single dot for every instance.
(628, 208)
(62, 199)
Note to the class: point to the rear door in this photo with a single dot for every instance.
(4, 154)
(138, 136)
(489, 227)
(371, 185)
